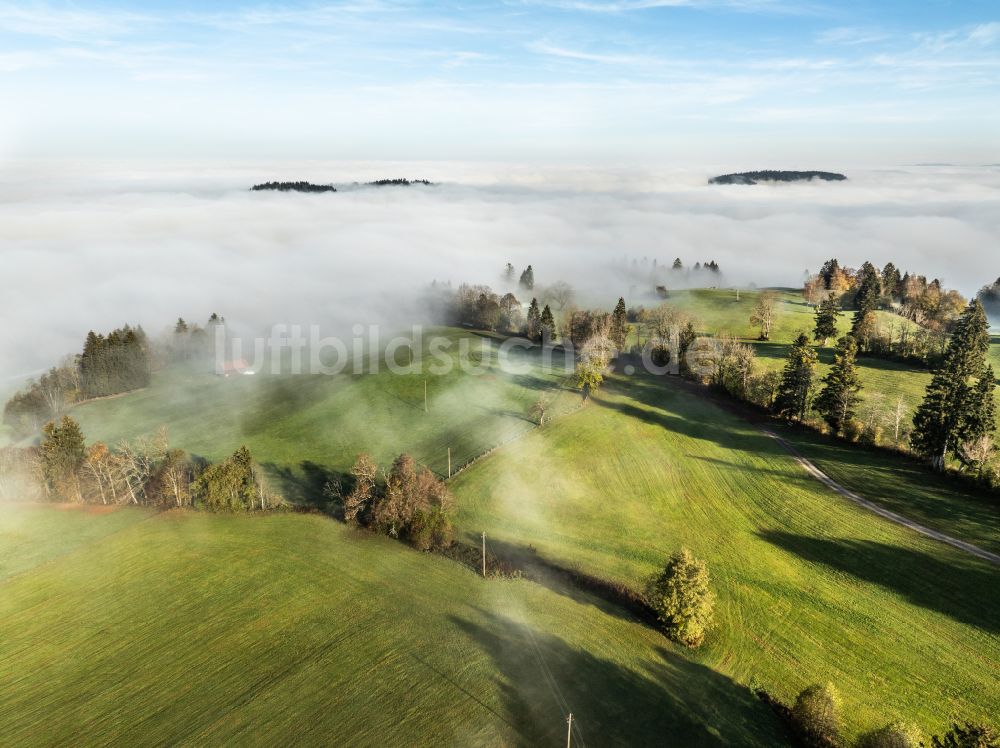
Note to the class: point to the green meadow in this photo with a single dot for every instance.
(186, 629)
(811, 587)
(264, 625)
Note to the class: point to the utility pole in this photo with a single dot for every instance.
(484, 555)
(569, 729)
(449, 462)
(425, 396)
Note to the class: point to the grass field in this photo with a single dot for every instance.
(904, 485)
(810, 587)
(32, 536)
(304, 427)
(195, 629)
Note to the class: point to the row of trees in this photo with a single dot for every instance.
(957, 417)
(117, 362)
(657, 277)
(146, 471)
(407, 502)
(868, 289)
(109, 364)
(874, 335)
(956, 420)
(478, 306)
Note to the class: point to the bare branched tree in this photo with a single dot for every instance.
(763, 313)
(978, 454)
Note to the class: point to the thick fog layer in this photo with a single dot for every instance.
(86, 246)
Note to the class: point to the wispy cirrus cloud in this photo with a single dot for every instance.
(783, 7)
(658, 63)
(630, 60)
(850, 36)
(69, 23)
(969, 38)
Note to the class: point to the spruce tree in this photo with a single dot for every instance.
(980, 419)
(830, 268)
(839, 398)
(954, 407)
(547, 325)
(868, 294)
(796, 380)
(534, 320)
(891, 280)
(619, 324)
(827, 314)
(527, 281)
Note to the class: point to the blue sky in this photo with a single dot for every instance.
(630, 81)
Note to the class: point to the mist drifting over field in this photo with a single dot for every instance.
(88, 246)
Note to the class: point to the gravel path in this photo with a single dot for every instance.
(899, 519)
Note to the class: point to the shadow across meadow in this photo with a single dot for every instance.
(670, 701)
(610, 597)
(964, 590)
(305, 485)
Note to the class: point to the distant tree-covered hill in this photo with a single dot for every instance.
(294, 187)
(398, 182)
(768, 175)
(310, 187)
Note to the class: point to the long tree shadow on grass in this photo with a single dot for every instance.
(960, 590)
(611, 598)
(794, 475)
(656, 416)
(884, 477)
(305, 486)
(661, 401)
(670, 701)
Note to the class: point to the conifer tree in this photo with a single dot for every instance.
(980, 419)
(619, 324)
(955, 406)
(891, 280)
(682, 598)
(547, 325)
(827, 314)
(828, 271)
(839, 398)
(868, 294)
(534, 320)
(527, 281)
(796, 380)
(62, 452)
